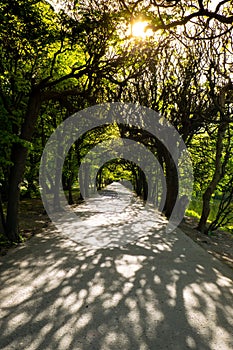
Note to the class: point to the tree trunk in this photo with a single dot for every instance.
(172, 189)
(215, 180)
(19, 156)
(144, 186)
(99, 180)
(205, 210)
(86, 179)
(2, 219)
(218, 173)
(172, 183)
(70, 195)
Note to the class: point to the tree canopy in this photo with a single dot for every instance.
(57, 59)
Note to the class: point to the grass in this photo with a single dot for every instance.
(192, 213)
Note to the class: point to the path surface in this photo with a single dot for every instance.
(114, 218)
(161, 291)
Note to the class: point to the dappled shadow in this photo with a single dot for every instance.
(161, 292)
(219, 243)
(113, 217)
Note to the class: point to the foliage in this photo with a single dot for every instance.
(56, 62)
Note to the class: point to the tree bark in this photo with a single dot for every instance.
(172, 181)
(215, 180)
(2, 219)
(218, 173)
(19, 156)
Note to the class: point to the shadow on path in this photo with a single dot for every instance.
(161, 292)
(111, 218)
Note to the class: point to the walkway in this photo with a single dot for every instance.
(161, 291)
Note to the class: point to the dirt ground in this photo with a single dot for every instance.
(220, 244)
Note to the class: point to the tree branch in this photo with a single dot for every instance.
(200, 13)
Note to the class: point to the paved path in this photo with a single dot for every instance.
(161, 291)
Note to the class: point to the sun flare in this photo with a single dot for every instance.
(139, 29)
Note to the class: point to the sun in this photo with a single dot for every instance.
(139, 29)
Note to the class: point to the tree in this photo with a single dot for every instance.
(45, 56)
(60, 62)
(167, 15)
(52, 57)
(221, 157)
